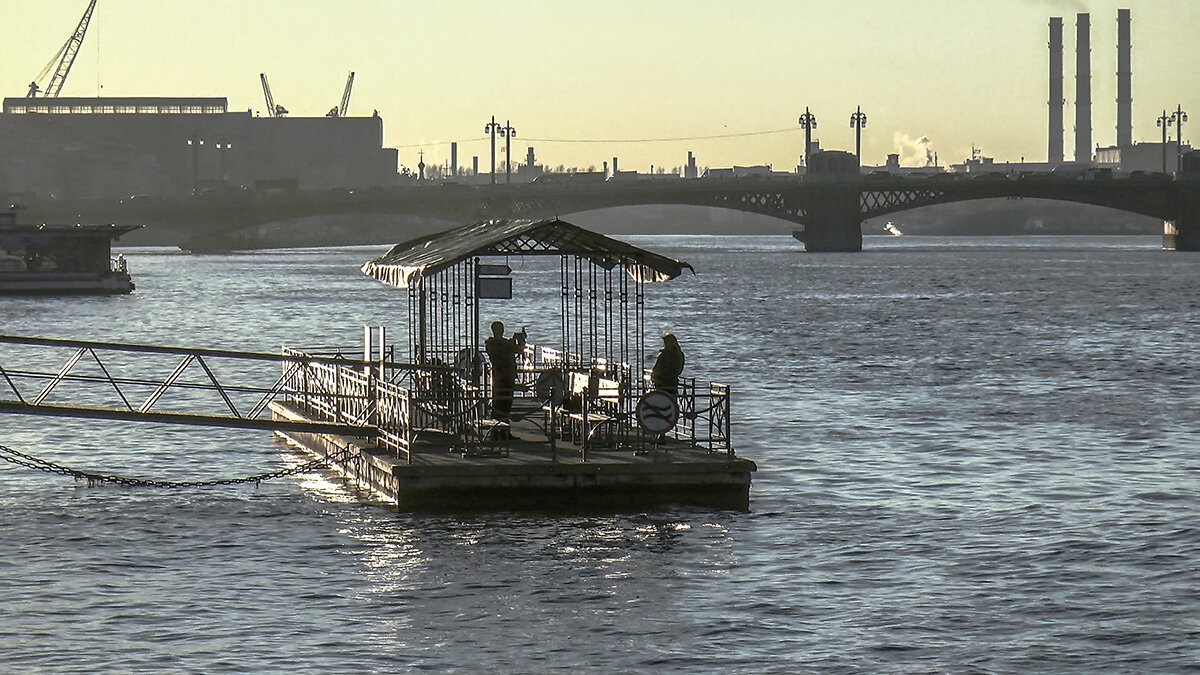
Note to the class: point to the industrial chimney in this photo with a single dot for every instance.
(1054, 155)
(1083, 89)
(1124, 88)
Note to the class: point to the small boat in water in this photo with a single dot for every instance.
(61, 259)
(892, 229)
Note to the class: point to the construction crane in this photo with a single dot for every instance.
(65, 59)
(273, 110)
(341, 112)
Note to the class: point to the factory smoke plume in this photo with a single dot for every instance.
(913, 151)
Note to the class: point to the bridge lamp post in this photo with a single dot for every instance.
(1164, 121)
(1179, 117)
(507, 132)
(194, 143)
(809, 122)
(491, 128)
(223, 148)
(858, 120)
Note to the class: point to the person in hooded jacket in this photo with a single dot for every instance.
(668, 366)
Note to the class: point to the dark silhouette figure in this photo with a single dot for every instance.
(668, 366)
(502, 352)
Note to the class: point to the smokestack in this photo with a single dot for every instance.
(1083, 88)
(1054, 155)
(1124, 87)
(453, 158)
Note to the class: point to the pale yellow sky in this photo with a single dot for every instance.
(959, 72)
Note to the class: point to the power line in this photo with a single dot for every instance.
(614, 140)
(660, 140)
(426, 144)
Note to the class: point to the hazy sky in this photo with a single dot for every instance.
(959, 72)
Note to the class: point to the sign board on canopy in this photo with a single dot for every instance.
(495, 288)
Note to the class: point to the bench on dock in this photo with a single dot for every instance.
(590, 409)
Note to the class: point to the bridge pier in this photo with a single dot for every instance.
(833, 214)
(1184, 233)
(834, 222)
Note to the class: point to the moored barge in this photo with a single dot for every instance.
(61, 259)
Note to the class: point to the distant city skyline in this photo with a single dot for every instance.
(576, 80)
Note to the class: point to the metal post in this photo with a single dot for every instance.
(222, 148)
(585, 412)
(472, 273)
(1180, 117)
(858, 120)
(507, 132)
(194, 143)
(491, 128)
(382, 347)
(1164, 121)
(809, 122)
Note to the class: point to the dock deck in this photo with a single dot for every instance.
(440, 474)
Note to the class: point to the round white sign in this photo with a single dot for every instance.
(657, 412)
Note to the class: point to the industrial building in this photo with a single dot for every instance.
(1125, 155)
(54, 147)
(90, 148)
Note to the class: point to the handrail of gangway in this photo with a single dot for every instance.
(215, 353)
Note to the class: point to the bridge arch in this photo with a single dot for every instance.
(995, 215)
(831, 210)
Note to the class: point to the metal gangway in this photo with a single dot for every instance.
(165, 384)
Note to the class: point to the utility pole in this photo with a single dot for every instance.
(507, 132)
(858, 120)
(1164, 121)
(1179, 116)
(491, 128)
(809, 122)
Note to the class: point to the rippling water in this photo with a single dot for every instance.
(975, 455)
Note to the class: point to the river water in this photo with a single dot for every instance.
(975, 455)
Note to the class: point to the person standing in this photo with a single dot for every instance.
(668, 366)
(502, 352)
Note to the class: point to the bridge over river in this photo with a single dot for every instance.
(828, 209)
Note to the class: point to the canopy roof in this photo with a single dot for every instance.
(425, 256)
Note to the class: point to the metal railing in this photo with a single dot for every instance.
(352, 395)
(402, 404)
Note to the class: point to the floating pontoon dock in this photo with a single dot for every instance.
(582, 433)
